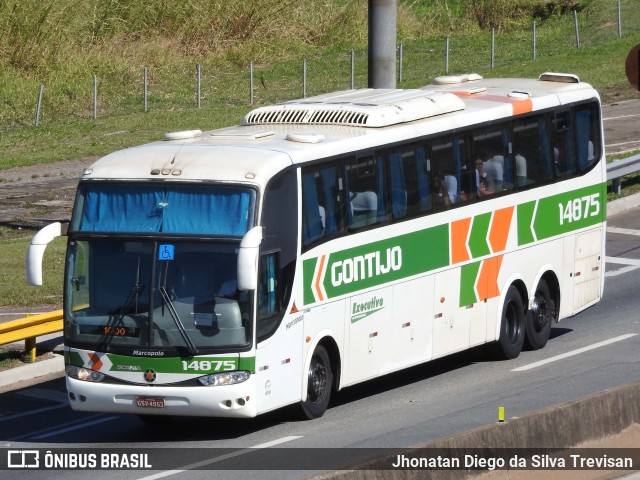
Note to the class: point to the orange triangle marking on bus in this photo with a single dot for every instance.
(459, 235)
(487, 285)
(97, 363)
(500, 229)
(317, 283)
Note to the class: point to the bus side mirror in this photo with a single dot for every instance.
(248, 259)
(36, 249)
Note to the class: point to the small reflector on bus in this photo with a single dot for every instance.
(559, 77)
(182, 135)
(242, 134)
(305, 137)
(520, 94)
(452, 79)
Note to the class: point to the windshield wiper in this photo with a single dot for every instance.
(116, 320)
(176, 318)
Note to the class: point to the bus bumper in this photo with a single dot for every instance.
(201, 401)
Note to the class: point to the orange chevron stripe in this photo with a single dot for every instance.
(487, 285)
(97, 363)
(317, 283)
(523, 106)
(518, 106)
(500, 229)
(459, 235)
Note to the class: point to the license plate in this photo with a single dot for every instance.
(146, 402)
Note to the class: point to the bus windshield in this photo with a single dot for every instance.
(177, 296)
(155, 266)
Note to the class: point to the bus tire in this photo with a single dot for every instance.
(539, 318)
(319, 384)
(509, 344)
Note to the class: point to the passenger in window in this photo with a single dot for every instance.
(521, 171)
(484, 181)
(482, 188)
(494, 168)
(443, 196)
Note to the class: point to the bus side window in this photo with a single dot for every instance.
(587, 136)
(564, 152)
(531, 148)
(410, 182)
(444, 166)
(367, 190)
(268, 295)
(322, 203)
(491, 147)
(398, 184)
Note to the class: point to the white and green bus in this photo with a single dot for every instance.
(330, 240)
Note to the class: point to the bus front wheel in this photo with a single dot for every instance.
(539, 318)
(319, 384)
(512, 328)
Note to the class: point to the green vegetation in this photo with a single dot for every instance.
(10, 358)
(13, 290)
(61, 44)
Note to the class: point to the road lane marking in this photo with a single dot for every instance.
(574, 352)
(623, 231)
(74, 427)
(45, 394)
(631, 142)
(82, 424)
(621, 117)
(221, 458)
(632, 264)
(623, 261)
(621, 271)
(32, 412)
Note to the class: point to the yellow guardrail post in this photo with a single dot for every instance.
(29, 328)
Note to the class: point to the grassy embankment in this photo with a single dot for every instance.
(61, 44)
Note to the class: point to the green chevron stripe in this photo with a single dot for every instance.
(468, 279)
(478, 245)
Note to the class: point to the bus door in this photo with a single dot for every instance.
(370, 334)
(451, 323)
(587, 270)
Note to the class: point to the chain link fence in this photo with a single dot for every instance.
(208, 85)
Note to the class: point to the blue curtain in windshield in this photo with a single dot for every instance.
(188, 210)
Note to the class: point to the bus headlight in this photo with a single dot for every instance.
(84, 374)
(226, 378)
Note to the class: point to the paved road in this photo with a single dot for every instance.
(621, 126)
(591, 352)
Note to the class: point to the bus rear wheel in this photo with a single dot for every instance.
(319, 384)
(509, 344)
(539, 318)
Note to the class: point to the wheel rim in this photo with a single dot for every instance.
(317, 380)
(541, 312)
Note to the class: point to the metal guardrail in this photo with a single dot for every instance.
(619, 168)
(29, 328)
